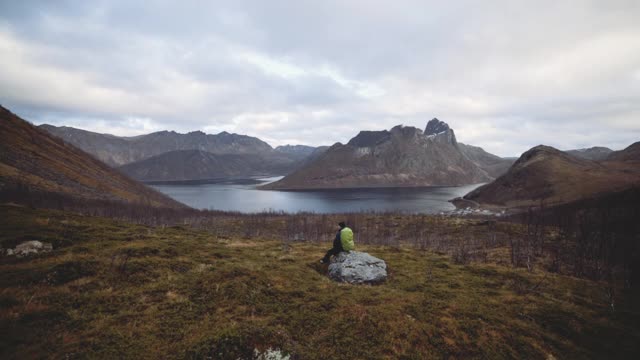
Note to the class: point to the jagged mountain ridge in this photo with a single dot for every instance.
(402, 156)
(168, 153)
(185, 165)
(117, 151)
(31, 157)
(545, 174)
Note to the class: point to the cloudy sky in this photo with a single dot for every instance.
(506, 75)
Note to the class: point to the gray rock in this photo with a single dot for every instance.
(31, 247)
(356, 267)
(270, 354)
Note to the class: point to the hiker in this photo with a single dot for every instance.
(342, 242)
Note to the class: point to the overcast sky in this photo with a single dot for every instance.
(506, 75)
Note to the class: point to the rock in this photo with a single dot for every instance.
(435, 126)
(31, 247)
(356, 267)
(270, 354)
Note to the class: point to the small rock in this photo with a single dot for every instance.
(30, 247)
(270, 354)
(356, 267)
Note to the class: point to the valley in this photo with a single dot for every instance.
(127, 272)
(330, 180)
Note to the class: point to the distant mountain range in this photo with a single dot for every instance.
(299, 151)
(116, 151)
(545, 174)
(593, 153)
(32, 158)
(400, 157)
(171, 156)
(493, 165)
(188, 165)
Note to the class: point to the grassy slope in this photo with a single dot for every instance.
(545, 173)
(186, 294)
(33, 157)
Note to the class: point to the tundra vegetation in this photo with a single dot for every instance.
(141, 282)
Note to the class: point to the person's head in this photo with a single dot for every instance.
(342, 225)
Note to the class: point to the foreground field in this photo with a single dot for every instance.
(115, 290)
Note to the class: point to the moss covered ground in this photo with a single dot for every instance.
(117, 290)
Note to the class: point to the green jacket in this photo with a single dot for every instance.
(346, 238)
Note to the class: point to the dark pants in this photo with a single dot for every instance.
(335, 250)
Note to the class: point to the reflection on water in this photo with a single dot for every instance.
(244, 197)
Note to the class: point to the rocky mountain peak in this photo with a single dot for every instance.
(405, 131)
(399, 157)
(369, 138)
(435, 126)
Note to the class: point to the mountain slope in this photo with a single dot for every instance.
(546, 174)
(184, 165)
(32, 157)
(630, 154)
(402, 156)
(494, 165)
(298, 152)
(110, 149)
(117, 151)
(594, 153)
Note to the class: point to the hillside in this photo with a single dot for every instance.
(555, 177)
(299, 152)
(115, 290)
(402, 156)
(593, 153)
(117, 151)
(493, 165)
(630, 154)
(33, 158)
(184, 165)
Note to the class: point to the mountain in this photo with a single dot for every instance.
(630, 154)
(402, 156)
(555, 177)
(298, 151)
(170, 156)
(181, 165)
(593, 153)
(493, 165)
(116, 151)
(31, 157)
(317, 152)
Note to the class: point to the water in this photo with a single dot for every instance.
(242, 195)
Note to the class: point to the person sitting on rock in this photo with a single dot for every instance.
(342, 242)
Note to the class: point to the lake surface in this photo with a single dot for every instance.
(242, 195)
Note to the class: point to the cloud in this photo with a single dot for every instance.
(506, 75)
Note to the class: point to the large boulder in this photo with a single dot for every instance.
(356, 267)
